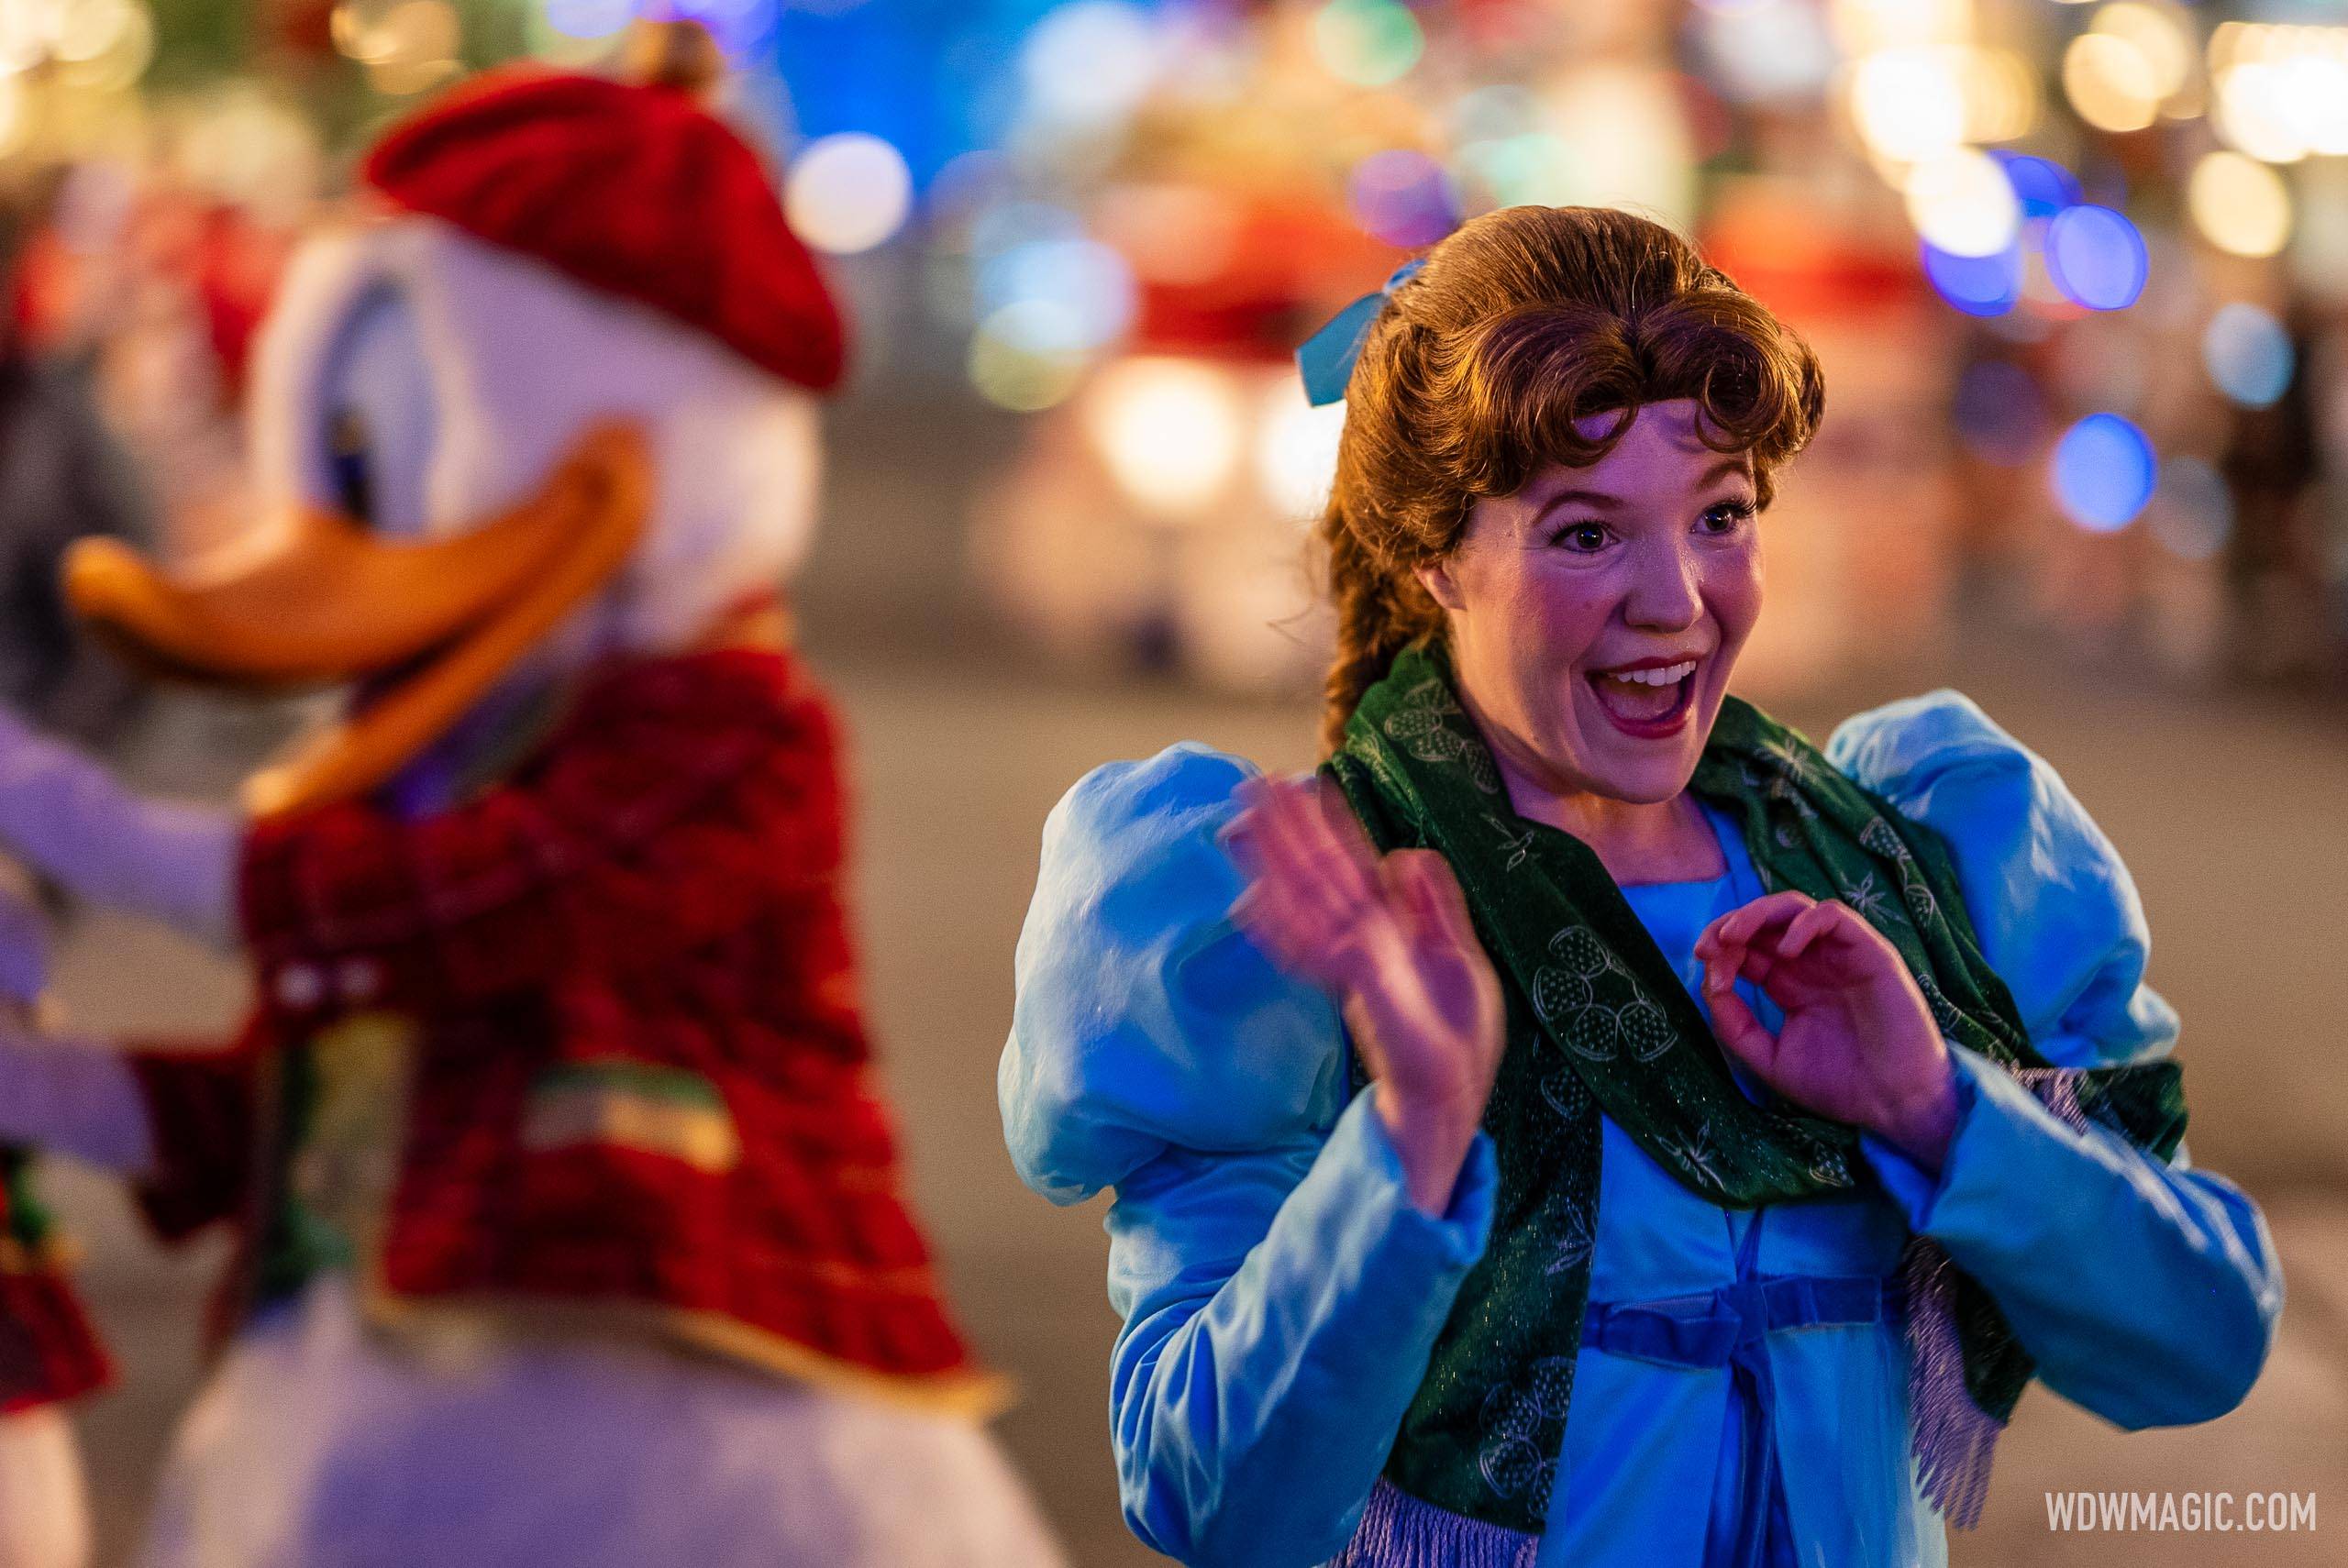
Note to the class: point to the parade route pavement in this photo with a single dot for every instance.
(2229, 815)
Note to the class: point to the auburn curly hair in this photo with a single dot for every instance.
(1521, 323)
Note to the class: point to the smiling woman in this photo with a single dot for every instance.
(1447, 1094)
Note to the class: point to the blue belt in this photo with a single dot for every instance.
(1726, 1328)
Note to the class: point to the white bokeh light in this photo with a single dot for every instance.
(848, 192)
(1169, 429)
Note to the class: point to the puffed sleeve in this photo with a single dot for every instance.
(1281, 1293)
(2148, 1292)
(2057, 912)
(1144, 1017)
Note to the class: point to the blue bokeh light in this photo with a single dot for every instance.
(2103, 471)
(2096, 258)
(1087, 279)
(1978, 285)
(2248, 355)
(2043, 186)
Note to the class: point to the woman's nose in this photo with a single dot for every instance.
(1664, 592)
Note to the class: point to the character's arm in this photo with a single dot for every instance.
(74, 1097)
(77, 1097)
(2146, 1292)
(1281, 1291)
(647, 835)
(66, 814)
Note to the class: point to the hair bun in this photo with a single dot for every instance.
(678, 55)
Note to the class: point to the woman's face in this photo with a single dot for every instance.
(1595, 614)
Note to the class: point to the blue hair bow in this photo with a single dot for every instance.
(1327, 358)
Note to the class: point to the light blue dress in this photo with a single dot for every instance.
(1281, 1295)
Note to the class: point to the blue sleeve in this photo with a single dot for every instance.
(2147, 1293)
(1280, 1291)
(2055, 911)
(1142, 1016)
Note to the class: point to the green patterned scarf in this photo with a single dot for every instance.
(1599, 1022)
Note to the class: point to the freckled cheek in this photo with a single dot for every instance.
(1732, 593)
(1563, 624)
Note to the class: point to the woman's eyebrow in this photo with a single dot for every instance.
(1599, 499)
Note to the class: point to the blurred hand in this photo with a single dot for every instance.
(1389, 937)
(1858, 1043)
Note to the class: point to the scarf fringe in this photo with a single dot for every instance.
(1955, 1439)
(1399, 1531)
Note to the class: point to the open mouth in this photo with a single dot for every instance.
(1648, 700)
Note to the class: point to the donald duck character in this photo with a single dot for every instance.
(568, 1213)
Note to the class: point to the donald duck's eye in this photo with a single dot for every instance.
(350, 466)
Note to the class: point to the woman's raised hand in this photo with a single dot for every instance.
(1389, 937)
(1858, 1043)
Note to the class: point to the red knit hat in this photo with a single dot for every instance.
(635, 190)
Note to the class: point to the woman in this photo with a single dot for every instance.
(1738, 1137)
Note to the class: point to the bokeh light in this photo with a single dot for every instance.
(1909, 104)
(2000, 413)
(2002, 95)
(2252, 114)
(588, 18)
(1404, 198)
(2043, 186)
(2248, 354)
(2111, 83)
(2102, 472)
(1493, 113)
(1767, 50)
(2193, 512)
(848, 192)
(2239, 204)
(1367, 42)
(2315, 96)
(1169, 429)
(1089, 62)
(1028, 355)
(1536, 167)
(1961, 202)
(1087, 281)
(2096, 258)
(1296, 449)
(1978, 285)
(2159, 38)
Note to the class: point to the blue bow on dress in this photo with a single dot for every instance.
(1327, 358)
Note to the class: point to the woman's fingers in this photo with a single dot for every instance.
(1344, 828)
(1743, 924)
(1430, 897)
(1295, 840)
(1739, 1031)
(1820, 920)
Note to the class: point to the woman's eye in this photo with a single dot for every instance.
(1582, 537)
(1726, 518)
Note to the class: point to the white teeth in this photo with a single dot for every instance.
(1668, 675)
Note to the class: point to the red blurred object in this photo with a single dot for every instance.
(1802, 265)
(634, 190)
(698, 943)
(1284, 266)
(234, 265)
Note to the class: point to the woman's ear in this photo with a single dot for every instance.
(1441, 586)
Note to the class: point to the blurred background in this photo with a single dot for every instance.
(2078, 274)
